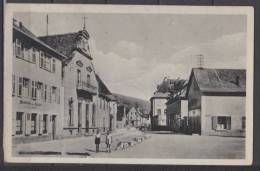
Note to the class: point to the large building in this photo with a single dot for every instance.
(36, 88)
(216, 101)
(79, 81)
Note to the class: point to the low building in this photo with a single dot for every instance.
(177, 112)
(37, 88)
(216, 101)
(106, 102)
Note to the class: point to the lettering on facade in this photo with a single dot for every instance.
(30, 103)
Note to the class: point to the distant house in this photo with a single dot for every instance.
(158, 110)
(158, 102)
(177, 111)
(216, 101)
(136, 118)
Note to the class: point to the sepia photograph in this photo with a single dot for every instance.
(128, 84)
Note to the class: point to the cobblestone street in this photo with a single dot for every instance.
(158, 145)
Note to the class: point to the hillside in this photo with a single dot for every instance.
(132, 101)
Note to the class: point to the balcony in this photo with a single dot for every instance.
(85, 87)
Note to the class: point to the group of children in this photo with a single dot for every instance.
(108, 141)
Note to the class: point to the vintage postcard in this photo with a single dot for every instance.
(128, 84)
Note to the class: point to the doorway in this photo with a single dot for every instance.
(79, 118)
(87, 118)
(53, 131)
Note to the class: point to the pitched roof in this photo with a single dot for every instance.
(22, 29)
(219, 80)
(65, 43)
(160, 95)
(103, 90)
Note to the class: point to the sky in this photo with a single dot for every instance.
(134, 52)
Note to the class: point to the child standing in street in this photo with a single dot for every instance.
(108, 141)
(97, 140)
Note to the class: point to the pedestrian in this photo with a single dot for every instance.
(97, 140)
(108, 141)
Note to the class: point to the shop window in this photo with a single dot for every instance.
(44, 124)
(221, 122)
(19, 123)
(33, 123)
(243, 122)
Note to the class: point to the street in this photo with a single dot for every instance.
(158, 145)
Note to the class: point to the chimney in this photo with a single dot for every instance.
(20, 24)
(237, 81)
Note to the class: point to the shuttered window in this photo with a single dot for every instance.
(19, 123)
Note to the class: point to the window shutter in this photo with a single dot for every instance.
(214, 122)
(40, 124)
(28, 124)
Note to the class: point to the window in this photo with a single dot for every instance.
(13, 85)
(221, 122)
(20, 86)
(26, 86)
(47, 63)
(93, 115)
(45, 93)
(53, 65)
(44, 124)
(33, 51)
(33, 123)
(39, 90)
(158, 111)
(88, 79)
(19, 123)
(78, 76)
(18, 49)
(53, 94)
(243, 122)
(33, 90)
(41, 59)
